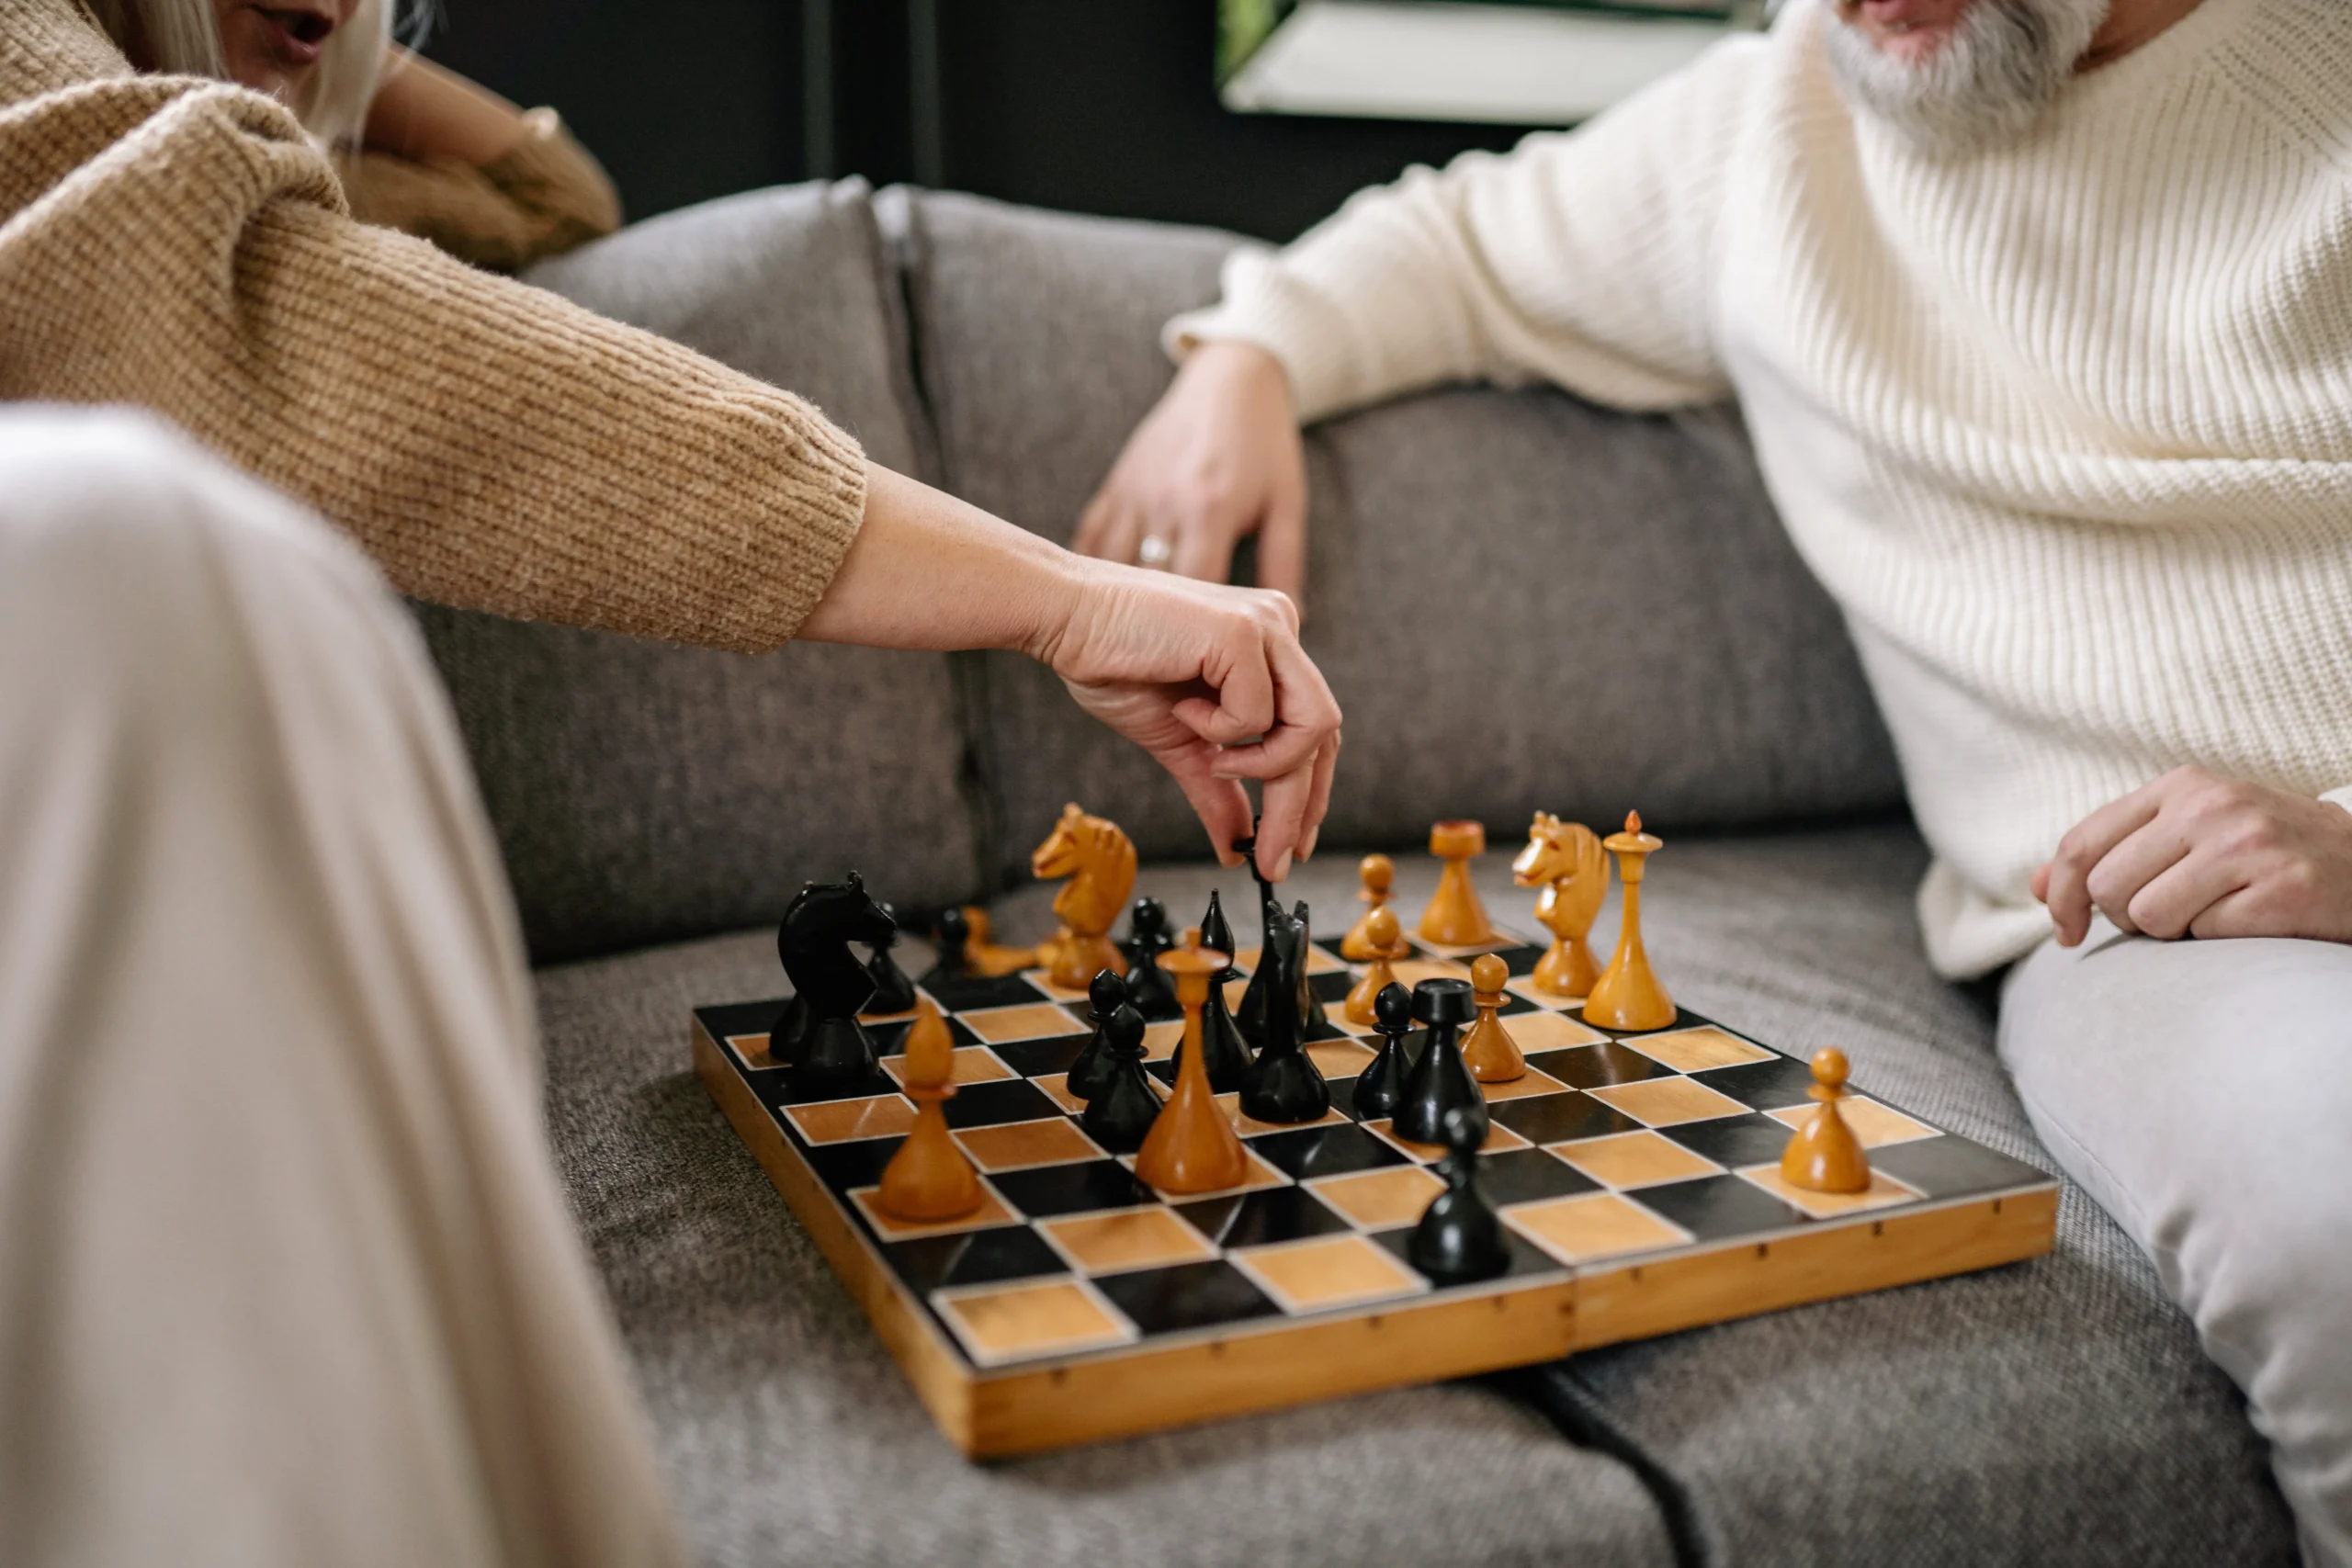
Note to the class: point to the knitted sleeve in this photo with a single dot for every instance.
(545, 197)
(181, 246)
(1580, 258)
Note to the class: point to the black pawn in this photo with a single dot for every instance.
(1106, 995)
(1120, 1115)
(1382, 1083)
(1150, 992)
(893, 992)
(1459, 1239)
(954, 933)
(1283, 1084)
(1439, 1081)
(1228, 1053)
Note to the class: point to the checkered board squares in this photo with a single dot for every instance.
(1616, 1149)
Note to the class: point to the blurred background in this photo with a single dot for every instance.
(1092, 105)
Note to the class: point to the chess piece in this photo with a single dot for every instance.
(1566, 861)
(1121, 1114)
(893, 992)
(1314, 1022)
(1439, 1082)
(1283, 1084)
(1230, 1053)
(1378, 874)
(1825, 1155)
(1149, 992)
(830, 1049)
(1460, 1237)
(1629, 994)
(1252, 1014)
(1091, 1070)
(1456, 918)
(1384, 937)
(1382, 1082)
(953, 934)
(982, 956)
(930, 1179)
(1488, 1051)
(1191, 1147)
(1100, 865)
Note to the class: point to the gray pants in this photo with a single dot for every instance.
(286, 1276)
(2202, 1092)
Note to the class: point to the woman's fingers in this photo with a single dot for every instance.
(1282, 545)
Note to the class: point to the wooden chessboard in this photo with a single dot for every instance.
(1636, 1173)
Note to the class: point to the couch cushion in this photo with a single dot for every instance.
(642, 790)
(790, 1437)
(1519, 599)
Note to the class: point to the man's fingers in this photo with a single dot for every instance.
(2085, 845)
(2171, 903)
(2142, 856)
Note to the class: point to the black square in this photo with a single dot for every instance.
(889, 1039)
(973, 1258)
(1521, 960)
(1733, 1140)
(1521, 1176)
(1042, 1058)
(1715, 1207)
(970, 993)
(1051, 1189)
(999, 1100)
(781, 1090)
(1773, 1084)
(1330, 944)
(1597, 1067)
(1188, 1295)
(1253, 1219)
(1514, 1004)
(1326, 1030)
(1326, 1151)
(740, 1018)
(1681, 1020)
(1331, 987)
(1526, 1259)
(845, 1166)
(1951, 1167)
(1555, 1118)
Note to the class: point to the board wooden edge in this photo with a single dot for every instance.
(1260, 1366)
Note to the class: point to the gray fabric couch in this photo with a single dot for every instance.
(1523, 602)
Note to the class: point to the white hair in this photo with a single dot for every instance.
(1983, 86)
(184, 38)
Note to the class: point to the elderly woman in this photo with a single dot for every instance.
(285, 1274)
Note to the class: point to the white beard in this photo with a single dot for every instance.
(1983, 85)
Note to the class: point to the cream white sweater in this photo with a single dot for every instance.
(2066, 428)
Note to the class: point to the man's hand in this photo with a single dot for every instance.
(1217, 458)
(2197, 855)
(1212, 681)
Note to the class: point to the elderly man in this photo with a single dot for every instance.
(2040, 313)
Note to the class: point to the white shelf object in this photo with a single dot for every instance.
(1444, 59)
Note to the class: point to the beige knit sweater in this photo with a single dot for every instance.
(2065, 428)
(180, 245)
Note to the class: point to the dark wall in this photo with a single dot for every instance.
(1094, 106)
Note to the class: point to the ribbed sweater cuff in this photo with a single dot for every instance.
(2342, 797)
(1264, 305)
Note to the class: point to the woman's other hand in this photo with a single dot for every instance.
(1216, 459)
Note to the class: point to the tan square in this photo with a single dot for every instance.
(887, 1017)
(974, 1064)
(1527, 1083)
(838, 1121)
(1041, 979)
(1500, 1139)
(1411, 972)
(1634, 1159)
(1318, 961)
(1504, 937)
(1882, 1190)
(1591, 1225)
(1160, 1040)
(1379, 1200)
(1031, 1020)
(1550, 1032)
(1873, 1123)
(1668, 1102)
(1018, 1143)
(1137, 1238)
(1260, 1173)
(992, 1212)
(753, 1049)
(1056, 1087)
(1249, 1127)
(1234, 991)
(1339, 1270)
(1002, 1323)
(1525, 986)
(1696, 1050)
(1338, 1058)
